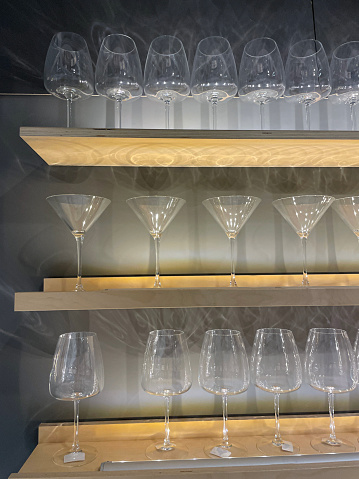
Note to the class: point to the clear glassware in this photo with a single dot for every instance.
(156, 213)
(231, 213)
(167, 373)
(307, 72)
(344, 68)
(167, 76)
(214, 73)
(68, 72)
(348, 209)
(118, 74)
(276, 368)
(224, 371)
(330, 367)
(261, 73)
(77, 373)
(79, 213)
(303, 213)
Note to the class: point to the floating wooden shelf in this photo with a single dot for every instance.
(192, 292)
(129, 147)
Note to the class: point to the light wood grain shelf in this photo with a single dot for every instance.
(201, 148)
(192, 292)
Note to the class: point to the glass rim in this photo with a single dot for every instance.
(77, 194)
(78, 36)
(134, 48)
(88, 334)
(302, 196)
(232, 196)
(275, 331)
(224, 332)
(316, 42)
(181, 47)
(345, 44)
(166, 332)
(328, 331)
(155, 196)
(346, 197)
(275, 47)
(229, 48)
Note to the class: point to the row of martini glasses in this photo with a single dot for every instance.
(224, 370)
(79, 212)
(262, 78)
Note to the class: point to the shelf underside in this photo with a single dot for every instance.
(201, 148)
(192, 292)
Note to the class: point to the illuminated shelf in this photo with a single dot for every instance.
(139, 147)
(192, 292)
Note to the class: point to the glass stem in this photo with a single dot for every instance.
(307, 116)
(69, 113)
(261, 111)
(118, 121)
(75, 445)
(167, 442)
(157, 253)
(225, 442)
(79, 243)
(167, 114)
(233, 262)
(214, 113)
(305, 281)
(352, 115)
(332, 436)
(277, 437)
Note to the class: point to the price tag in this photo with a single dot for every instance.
(74, 457)
(287, 446)
(220, 452)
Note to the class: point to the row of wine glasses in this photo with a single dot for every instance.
(79, 213)
(306, 78)
(330, 366)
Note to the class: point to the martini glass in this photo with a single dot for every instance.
(303, 213)
(156, 213)
(231, 213)
(348, 209)
(79, 213)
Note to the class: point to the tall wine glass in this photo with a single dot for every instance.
(156, 213)
(261, 73)
(77, 373)
(224, 371)
(214, 73)
(303, 213)
(167, 373)
(79, 213)
(330, 367)
(231, 213)
(118, 74)
(308, 78)
(344, 68)
(68, 72)
(167, 75)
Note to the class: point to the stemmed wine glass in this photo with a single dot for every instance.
(214, 73)
(348, 209)
(156, 213)
(77, 373)
(330, 367)
(231, 213)
(224, 371)
(303, 213)
(308, 78)
(79, 213)
(344, 68)
(118, 74)
(167, 76)
(167, 373)
(276, 368)
(261, 73)
(68, 72)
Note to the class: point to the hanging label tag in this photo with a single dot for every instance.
(287, 446)
(220, 452)
(74, 457)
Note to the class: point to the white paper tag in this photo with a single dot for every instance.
(287, 446)
(74, 457)
(220, 452)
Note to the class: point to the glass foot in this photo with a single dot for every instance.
(267, 447)
(176, 450)
(215, 450)
(59, 456)
(324, 445)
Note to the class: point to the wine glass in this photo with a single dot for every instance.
(261, 73)
(308, 78)
(303, 213)
(77, 373)
(166, 372)
(224, 371)
(348, 209)
(231, 213)
(79, 213)
(330, 367)
(167, 75)
(156, 213)
(214, 73)
(68, 72)
(118, 74)
(344, 68)
(276, 368)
